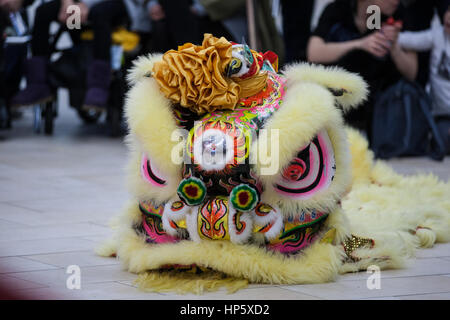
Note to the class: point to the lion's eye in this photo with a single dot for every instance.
(150, 173)
(310, 171)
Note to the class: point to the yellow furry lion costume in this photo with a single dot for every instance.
(240, 174)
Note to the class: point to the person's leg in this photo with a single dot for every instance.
(103, 17)
(296, 28)
(162, 40)
(443, 124)
(36, 71)
(4, 114)
(3, 25)
(45, 14)
(181, 21)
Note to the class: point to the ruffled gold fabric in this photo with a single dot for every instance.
(193, 76)
(253, 85)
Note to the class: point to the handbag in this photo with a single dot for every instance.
(402, 123)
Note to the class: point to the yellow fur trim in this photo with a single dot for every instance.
(427, 237)
(400, 213)
(142, 67)
(331, 77)
(362, 157)
(307, 109)
(318, 263)
(152, 125)
(183, 283)
(107, 248)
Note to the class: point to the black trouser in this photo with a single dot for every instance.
(296, 28)
(12, 57)
(103, 17)
(3, 24)
(179, 26)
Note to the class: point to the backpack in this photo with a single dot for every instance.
(402, 123)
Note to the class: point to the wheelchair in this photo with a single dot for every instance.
(69, 71)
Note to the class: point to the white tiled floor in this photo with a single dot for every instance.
(58, 193)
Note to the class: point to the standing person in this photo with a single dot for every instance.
(342, 38)
(296, 32)
(418, 16)
(174, 23)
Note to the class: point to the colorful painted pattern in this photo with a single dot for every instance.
(311, 171)
(213, 223)
(213, 219)
(253, 111)
(221, 202)
(238, 139)
(152, 225)
(298, 233)
(239, 223)
(234, 131)
(150, 174)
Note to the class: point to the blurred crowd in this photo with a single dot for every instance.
(411, 43)
(406, 46)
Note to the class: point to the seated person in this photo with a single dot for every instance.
(418, 16)
(436, 39)
(103, 16)
(13, 23)
(343, 38)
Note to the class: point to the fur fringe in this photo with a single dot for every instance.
(401, 213)
(183, 283)
(355, 89)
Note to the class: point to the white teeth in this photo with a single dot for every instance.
(191, 225)
(246, 225)
(274, 218)
(175, 215)
(240, 224)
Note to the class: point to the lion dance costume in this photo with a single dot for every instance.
(240, 174)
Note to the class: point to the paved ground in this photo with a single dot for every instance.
(57, 194)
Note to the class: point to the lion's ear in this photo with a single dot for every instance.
(349, 89)
(142, 67)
